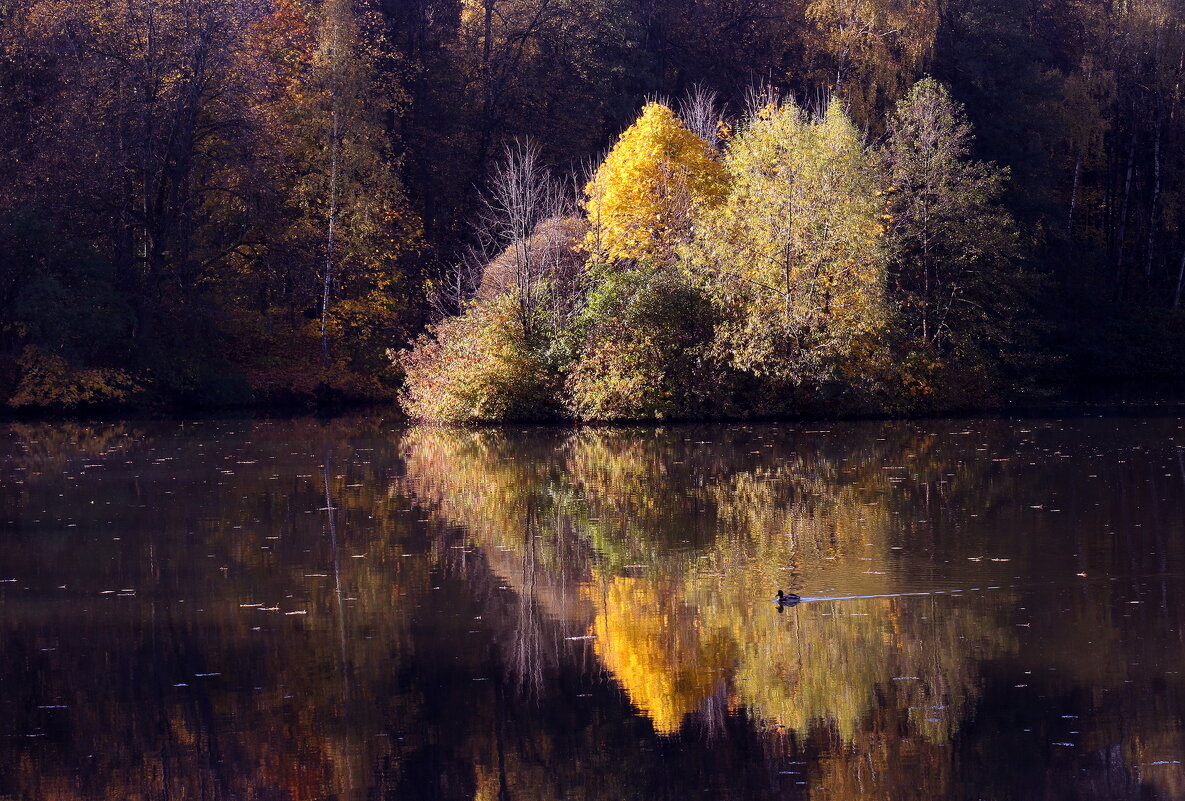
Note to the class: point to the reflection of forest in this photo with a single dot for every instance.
(197, 685)
(678, 545)
(666, 550)
(676, 542)
(508, 598)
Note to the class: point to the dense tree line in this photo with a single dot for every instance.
(226, 201)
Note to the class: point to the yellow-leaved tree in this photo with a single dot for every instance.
(640, 201)
(794, 259)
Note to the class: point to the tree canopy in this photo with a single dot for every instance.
(794, 257)
(641, 200)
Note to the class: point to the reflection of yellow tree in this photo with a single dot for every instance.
(658, 649)
(877, 688)
(679, 539)
(677, 543)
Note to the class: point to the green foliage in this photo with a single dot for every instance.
(645, 338)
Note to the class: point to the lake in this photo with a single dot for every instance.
(355, 609)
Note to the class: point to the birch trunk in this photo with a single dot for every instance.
(331, 223)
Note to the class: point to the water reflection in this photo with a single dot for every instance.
(352, 610)
(677, 546)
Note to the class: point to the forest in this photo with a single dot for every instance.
(588, 209)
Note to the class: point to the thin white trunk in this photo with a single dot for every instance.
(1151, 243)
(1180, 280)
(334, 138)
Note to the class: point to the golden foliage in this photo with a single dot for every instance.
(793, 257)
(669, 543)
(651, 641)
(48, 381)
(640, 201)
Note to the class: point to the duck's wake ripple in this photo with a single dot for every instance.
(806, 598)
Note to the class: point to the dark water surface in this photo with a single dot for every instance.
(353, 610)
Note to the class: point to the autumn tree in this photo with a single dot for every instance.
(523, 195)
(868, 51)
(478, 366)
(948, 228)
(1084, 125)
(952, 241)
(497, 358)
(793, 259)
(484, 72)
(122, 144)
(644, 330)
(640, 201)
(340, 235)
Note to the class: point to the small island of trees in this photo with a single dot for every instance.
(770, 265)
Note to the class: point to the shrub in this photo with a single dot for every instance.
(479, 366)
(644, 354)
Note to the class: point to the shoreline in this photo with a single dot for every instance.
(1114, 399)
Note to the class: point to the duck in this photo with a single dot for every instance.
(786, 598)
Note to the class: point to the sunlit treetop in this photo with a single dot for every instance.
(639, 203)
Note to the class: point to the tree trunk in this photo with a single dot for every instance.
(331, 223)
(1180, 280)
(1151, 243)
(1122, 234)
(487, 33)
